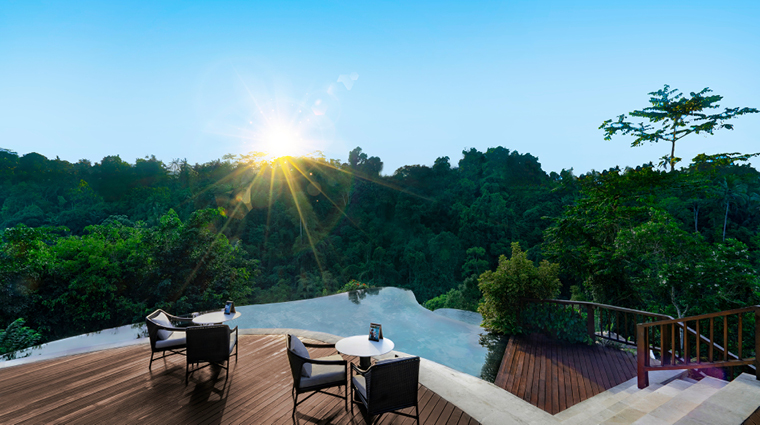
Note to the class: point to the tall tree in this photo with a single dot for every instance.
(673, 117)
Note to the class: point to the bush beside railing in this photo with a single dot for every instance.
(662, 342)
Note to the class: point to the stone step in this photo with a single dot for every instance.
(599, 404)
(681, 402)
(600, 401)
(616, 409)
(638, 407)
(659, 397)
(731, 404)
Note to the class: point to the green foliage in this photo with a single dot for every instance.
(556, 321)
(674, 117)
(576, 293)
(721, 159)
(106, 242)
(513, 279)
(17, 337)
(354, 285)
(311, 222)
(475, 264)
(655, 241)
(115, 274)
(466, 296)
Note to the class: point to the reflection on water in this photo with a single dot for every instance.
(496, 345)
(357, 296)
(414, 329)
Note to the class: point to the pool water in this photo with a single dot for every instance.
(413, 328)
(452, 338)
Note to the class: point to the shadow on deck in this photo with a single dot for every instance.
(115, 386)
(553, 376)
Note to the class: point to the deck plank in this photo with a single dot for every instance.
(555, 385)
(502, 379)
(102, 386)
(554, 376)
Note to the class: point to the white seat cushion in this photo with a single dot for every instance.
(297, 346)
(361, 385)
(165, 344)
(162, 320)
(233, 341)
(323, 374)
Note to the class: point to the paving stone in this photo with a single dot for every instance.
(625, 417)
(714, 415)
(650, 420)
(673, 410)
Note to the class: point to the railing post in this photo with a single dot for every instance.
(590, 321)
(757, 343)
(642, 356)
(665, 355)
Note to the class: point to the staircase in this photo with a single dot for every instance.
(675, 401)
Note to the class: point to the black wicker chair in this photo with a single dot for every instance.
(161, 326)
(325, 372)
(212, 345)
(387, 386)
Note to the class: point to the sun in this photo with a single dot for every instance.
(280, 140)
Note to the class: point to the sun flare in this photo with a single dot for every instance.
(281, 140)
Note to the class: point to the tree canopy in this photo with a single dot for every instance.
(92, 245)
(673, 117)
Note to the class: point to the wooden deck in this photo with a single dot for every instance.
(554, 376)
(115, 386)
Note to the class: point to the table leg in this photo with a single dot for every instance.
(364, 363)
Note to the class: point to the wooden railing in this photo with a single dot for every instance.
(699, 342)
(686, 343)
(608, 321)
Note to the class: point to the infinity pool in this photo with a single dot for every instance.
(458, 343)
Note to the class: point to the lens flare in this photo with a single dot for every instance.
(280, 140)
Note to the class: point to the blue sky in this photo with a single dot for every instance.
(198, 80)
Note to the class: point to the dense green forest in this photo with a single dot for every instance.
(91, 245)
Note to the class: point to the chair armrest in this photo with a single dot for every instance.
(180, 319)
(359, 370)
(318, 361)
(313, 345)
(172, 328)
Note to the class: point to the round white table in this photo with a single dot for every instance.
(215, 317)
(362, 347)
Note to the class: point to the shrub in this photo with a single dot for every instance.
(17, 337)
(513, 279)
(556, 321)
(353, 285)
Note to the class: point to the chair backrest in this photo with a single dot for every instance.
(392, 384)
(208, 343)
(153, 327)
(296, 362)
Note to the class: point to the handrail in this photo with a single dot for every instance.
(608, 321)
(669, 360)
(702, 338)
(700, 317)
(605, 306)
(675, 352)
